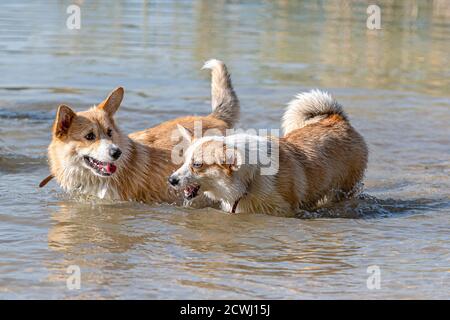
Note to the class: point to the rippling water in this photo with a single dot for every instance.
(394, 83)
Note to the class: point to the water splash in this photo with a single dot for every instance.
(365, 206)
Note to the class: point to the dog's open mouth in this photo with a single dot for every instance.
(191, 191)
(102, 168)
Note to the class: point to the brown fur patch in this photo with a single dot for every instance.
(331, 153)
(332, 120)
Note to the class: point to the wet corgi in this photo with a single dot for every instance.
(319, 154)
(91, 155)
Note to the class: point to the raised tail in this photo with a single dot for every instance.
(225, 103)
(310, 107)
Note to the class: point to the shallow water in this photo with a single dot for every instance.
(394, 84)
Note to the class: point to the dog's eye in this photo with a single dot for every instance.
(90, 136)
(109, 133)
(197, 165)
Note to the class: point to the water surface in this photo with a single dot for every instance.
(393, 82)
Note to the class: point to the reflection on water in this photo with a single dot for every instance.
(322, 44)
(227, 255)
(393, 82)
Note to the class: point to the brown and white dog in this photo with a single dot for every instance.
(90, 154)
(319, 154)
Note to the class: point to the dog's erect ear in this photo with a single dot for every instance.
(63, 121)
(112, 102)
(185, 133)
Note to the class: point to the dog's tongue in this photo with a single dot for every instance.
(110, 168)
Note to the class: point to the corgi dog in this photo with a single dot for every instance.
(319, 154)
(91, 155)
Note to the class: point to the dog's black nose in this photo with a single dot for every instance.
(115, 153)
(173, 180)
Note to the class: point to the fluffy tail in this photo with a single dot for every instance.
(225, 103)
(310, 107)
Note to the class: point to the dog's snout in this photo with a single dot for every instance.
(115, 153)
(173, 180)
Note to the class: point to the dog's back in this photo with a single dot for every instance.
(319, 138)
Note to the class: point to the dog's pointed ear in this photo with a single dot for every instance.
(112, 102)
(185, 133)
(63, 121)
